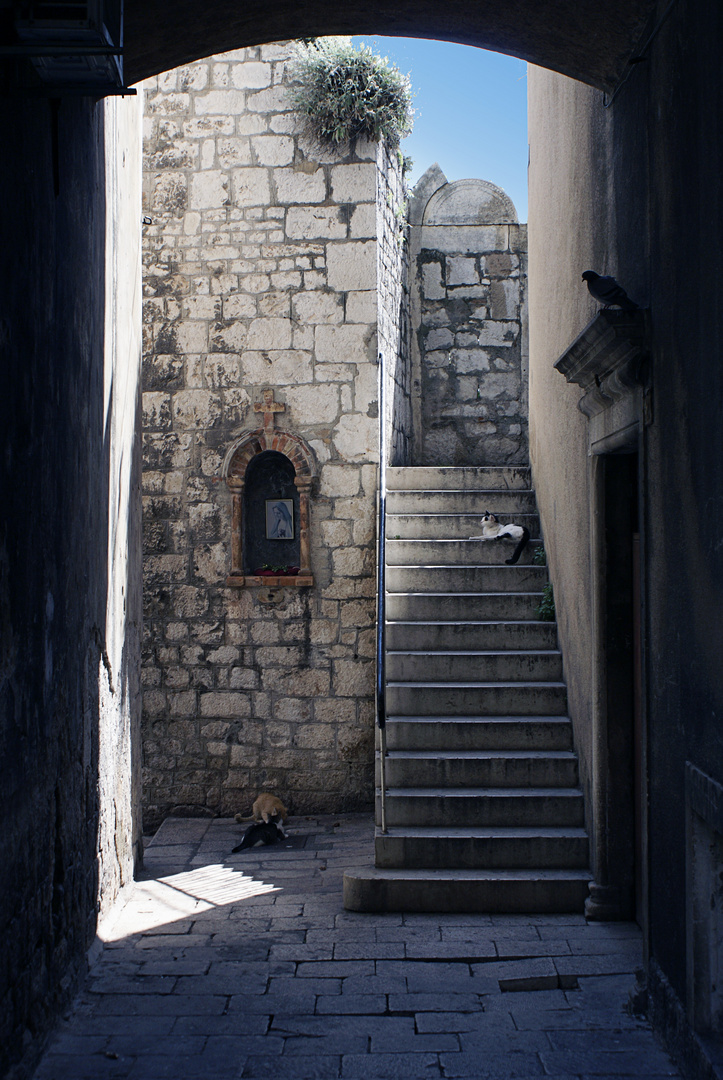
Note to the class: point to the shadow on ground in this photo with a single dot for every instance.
(247, 966)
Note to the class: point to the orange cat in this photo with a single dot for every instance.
(266, 808)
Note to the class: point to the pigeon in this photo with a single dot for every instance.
(261, 832)
(607, 291)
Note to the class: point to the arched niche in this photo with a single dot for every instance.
(263, 469)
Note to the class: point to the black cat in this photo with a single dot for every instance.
(261, 832)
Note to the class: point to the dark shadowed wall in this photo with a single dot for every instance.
(69, 558)
(635, 190)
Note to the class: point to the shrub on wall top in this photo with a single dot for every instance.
(345, 92)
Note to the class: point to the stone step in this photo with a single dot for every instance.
(483, 768)
(477, 806)
(466, 579)
(540, 891)
(428, 501)
(450, 526)
(510, 665)
(434, 636)
(460, 606)
(479, 733)
(501, 848)
(476, 698)
(459, 478)
(457, 553)
(483, 808)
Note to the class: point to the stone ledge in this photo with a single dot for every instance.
(608, 361)
(604, 360)
(245, 580)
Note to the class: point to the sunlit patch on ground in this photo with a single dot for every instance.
(247, 967)
(177, 896)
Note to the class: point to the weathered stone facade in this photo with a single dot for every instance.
(262, 271)
(393, 328)
(469, 312)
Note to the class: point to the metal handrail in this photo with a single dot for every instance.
(381, 595)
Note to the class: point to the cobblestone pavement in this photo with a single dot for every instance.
(234, 966)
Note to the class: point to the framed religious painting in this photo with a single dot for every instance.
(279, 519)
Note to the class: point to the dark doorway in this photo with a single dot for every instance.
(623, 679)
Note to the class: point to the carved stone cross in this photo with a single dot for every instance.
(269, 408)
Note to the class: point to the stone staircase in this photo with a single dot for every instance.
(484, 811)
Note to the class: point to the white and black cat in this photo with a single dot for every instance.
(492, 530)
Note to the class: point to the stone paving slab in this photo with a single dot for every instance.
(238, 967)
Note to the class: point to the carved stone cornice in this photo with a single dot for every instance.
(605, 358)
(607, 362)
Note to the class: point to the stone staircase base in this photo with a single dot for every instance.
(493, 891)
(484, 810)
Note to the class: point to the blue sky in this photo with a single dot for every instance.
(471, 112)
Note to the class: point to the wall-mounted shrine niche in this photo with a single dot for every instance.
(269, 474)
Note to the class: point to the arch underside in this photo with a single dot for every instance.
(584, 39)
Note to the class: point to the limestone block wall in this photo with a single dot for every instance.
(262, 267)
(469, 258)
(113, 676)
(394, 306)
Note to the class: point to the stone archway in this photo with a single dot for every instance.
(592, 43)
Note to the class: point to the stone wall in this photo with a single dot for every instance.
(394, 306)
(262, 268)
(469, 313)
(70, 573)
